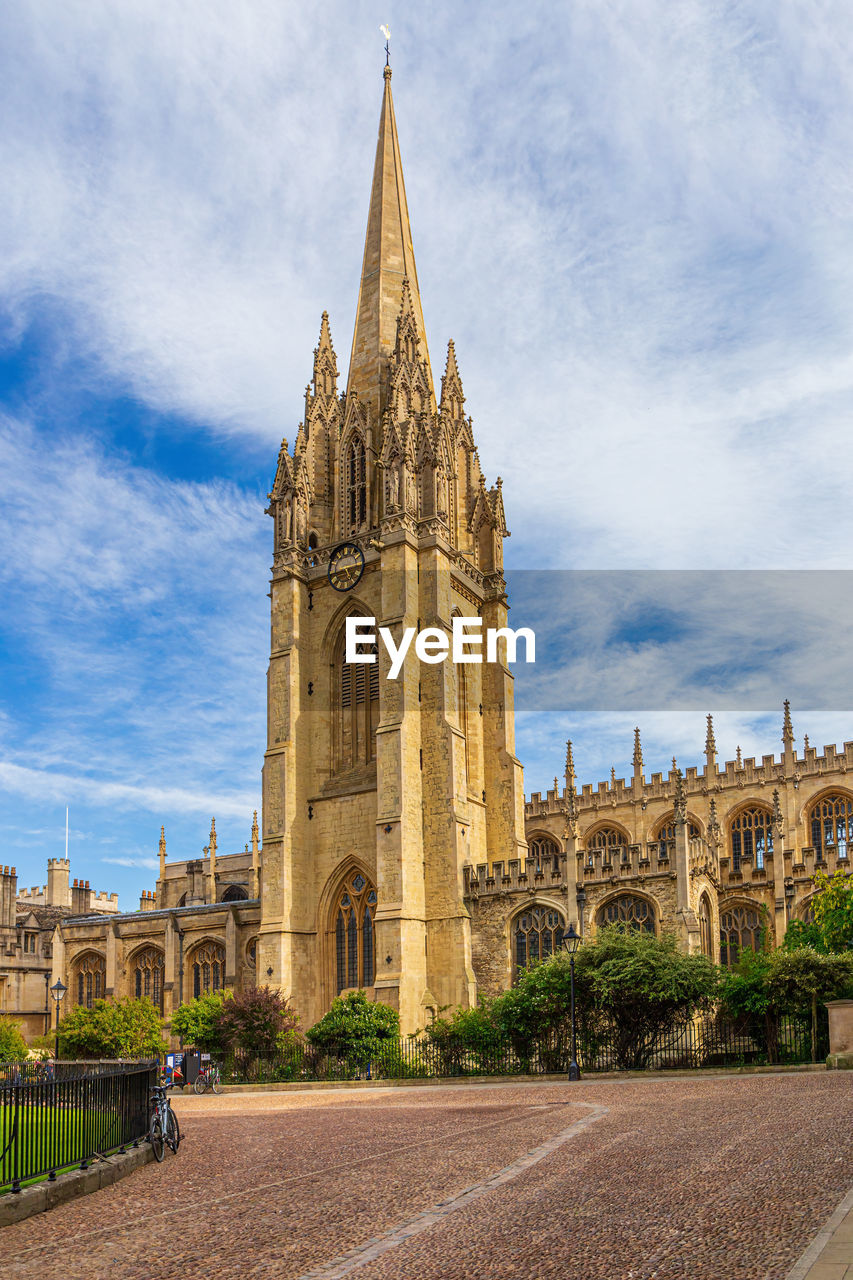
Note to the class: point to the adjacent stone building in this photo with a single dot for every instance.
(28, 922)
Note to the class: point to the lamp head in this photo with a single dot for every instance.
(58, 990)
(571, 940)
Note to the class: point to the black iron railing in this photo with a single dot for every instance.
(709, 1043)
(68, 1117)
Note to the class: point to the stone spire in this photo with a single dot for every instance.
(389, 260)
(256, 866)
(787, 739)
(570, 767)
(710, 749)
(211, 875)
(787, 727)
(162, 853)
(638, 759)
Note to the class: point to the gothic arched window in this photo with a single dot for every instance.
(90, 972)
(665, 835)
(629, 910)
(208, 968)
(740, 926)
(535, 936)
(544, 849)
(148, 975)
(353, 922)
(355, 486)
(831, 821)
(751, 836)
(705, 943)
(606, 841)
(356, 708)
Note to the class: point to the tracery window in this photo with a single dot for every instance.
(355, 486)
(751, 836)
(629, 910)
(535, 936)
(705, 943)
(357, 708)
(354, 916)
(148, 975)
(543, 849)
(208, 967)
(252, 953)
(665, 836)
(606, 841)
(832, 826)
(91, 975)
(740, 926)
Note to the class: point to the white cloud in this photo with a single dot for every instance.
(633, 221)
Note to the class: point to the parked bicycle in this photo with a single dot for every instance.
(208, 1078)
(164, 1130)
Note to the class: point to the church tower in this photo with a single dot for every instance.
(377, 791)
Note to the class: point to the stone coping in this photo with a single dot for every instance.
(41, 1196)
(415, 1082)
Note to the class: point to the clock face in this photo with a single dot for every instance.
(346, 566)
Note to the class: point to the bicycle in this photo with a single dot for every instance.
(208, 1077)
(164, 1130)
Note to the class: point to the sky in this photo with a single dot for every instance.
(634, 221)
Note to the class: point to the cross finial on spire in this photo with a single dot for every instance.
(386, 31)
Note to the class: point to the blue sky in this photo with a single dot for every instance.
(634, 220)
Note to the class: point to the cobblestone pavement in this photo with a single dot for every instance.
(624, 1179)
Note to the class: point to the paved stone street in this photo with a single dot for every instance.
(623, 1179)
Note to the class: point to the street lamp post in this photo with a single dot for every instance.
(58, 990)
(571, 940)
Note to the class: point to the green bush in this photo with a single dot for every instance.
(198, 1023)
(112, 1029)
(254, 1020)
(354, 1029)
(13, 1046)
(833, 909)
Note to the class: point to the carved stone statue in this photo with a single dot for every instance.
(301, 522)
(393, 488)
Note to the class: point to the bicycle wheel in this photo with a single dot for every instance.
(173, 1131)
(155, 1137)
(200, 1084)
(215, 1083)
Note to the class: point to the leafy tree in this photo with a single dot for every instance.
(798, 981)
(254, 1020)
(13, 1046)
(744, 989)
(640, 987)
(801, 934)
(355, 1028)
(198, 1022)
(833, 909)
(112, 1029)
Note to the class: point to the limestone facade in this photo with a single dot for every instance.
(28, 920)
(396, 852)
